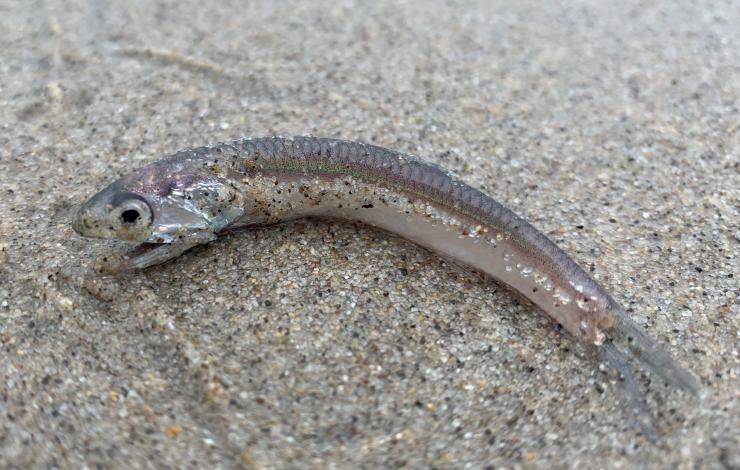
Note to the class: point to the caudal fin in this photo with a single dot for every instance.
(625, 384)
(647, 351)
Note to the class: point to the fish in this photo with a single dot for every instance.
(197, 195)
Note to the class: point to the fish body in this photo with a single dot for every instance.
(193, 196)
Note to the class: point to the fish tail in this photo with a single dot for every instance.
(627, 333)
(627, 386)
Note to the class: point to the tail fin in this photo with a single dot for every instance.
(634, 403)
(647, 351)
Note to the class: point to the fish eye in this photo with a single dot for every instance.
(132, 209)
(130, 216)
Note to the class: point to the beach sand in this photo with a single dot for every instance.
(613, 129)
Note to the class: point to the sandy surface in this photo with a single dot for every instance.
(614, 130)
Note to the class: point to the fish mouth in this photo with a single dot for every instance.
(140, 256)
(148, 254)
(142, 249)
(153, 252)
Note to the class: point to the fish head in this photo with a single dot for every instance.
(161, 204)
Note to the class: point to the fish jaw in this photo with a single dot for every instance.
(150, 254)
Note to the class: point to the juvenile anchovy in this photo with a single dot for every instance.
(191, 197)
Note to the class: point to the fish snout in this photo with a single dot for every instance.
(84, 221)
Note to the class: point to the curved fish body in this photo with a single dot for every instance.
(194, 195)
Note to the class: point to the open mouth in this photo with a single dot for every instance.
(141, 256)
(142, 249)
(150, 253)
